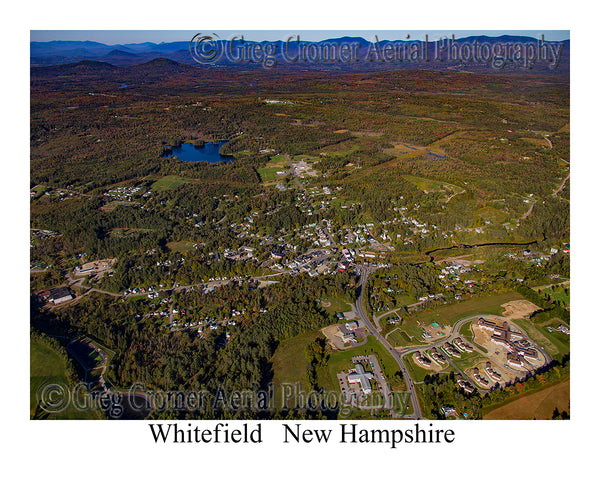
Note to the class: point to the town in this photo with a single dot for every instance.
(399, 241)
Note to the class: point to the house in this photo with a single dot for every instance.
(462, 345)
(466, 386)
(422, 359)
(494, 375)
(277, 255)
(448, 410)
(450, 350)
(483, 381)
(436, 356)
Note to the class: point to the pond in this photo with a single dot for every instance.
(188, 152)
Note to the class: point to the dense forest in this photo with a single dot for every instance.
(163, 360)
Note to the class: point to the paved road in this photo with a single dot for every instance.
(364, 273)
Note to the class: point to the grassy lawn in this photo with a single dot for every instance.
(337, 305)
(278, 161)
(429, 185)
(127, 232)
(468, 360)
(47, 367)
(269, 174)
(400, 338)
(467, 332)
(560, 294)
(492, 214)
(168, 183)
(417, 373)
(182, 246)
(290, 363)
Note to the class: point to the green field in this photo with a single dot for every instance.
(290, 363)
(168, 183)
(492, 214)
(448, 315)
(48, 367)
(269, 174)
(417, 373)
(559, 294)
(278, 161)
(556, 344)
(467, 332)
(337, 305)
(182, 246)
(428, 185)
(400, 338)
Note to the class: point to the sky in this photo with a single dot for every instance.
(120, 37)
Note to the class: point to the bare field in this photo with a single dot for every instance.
(539, 405)
(333, 340)
(519, 309)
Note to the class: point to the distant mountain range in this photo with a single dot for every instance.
(481, 54)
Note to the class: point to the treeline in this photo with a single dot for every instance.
(317, 356)
(439, 390)
(555, 373)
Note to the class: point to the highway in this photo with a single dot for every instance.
(364, 273)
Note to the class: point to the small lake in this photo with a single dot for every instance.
(188, 152)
